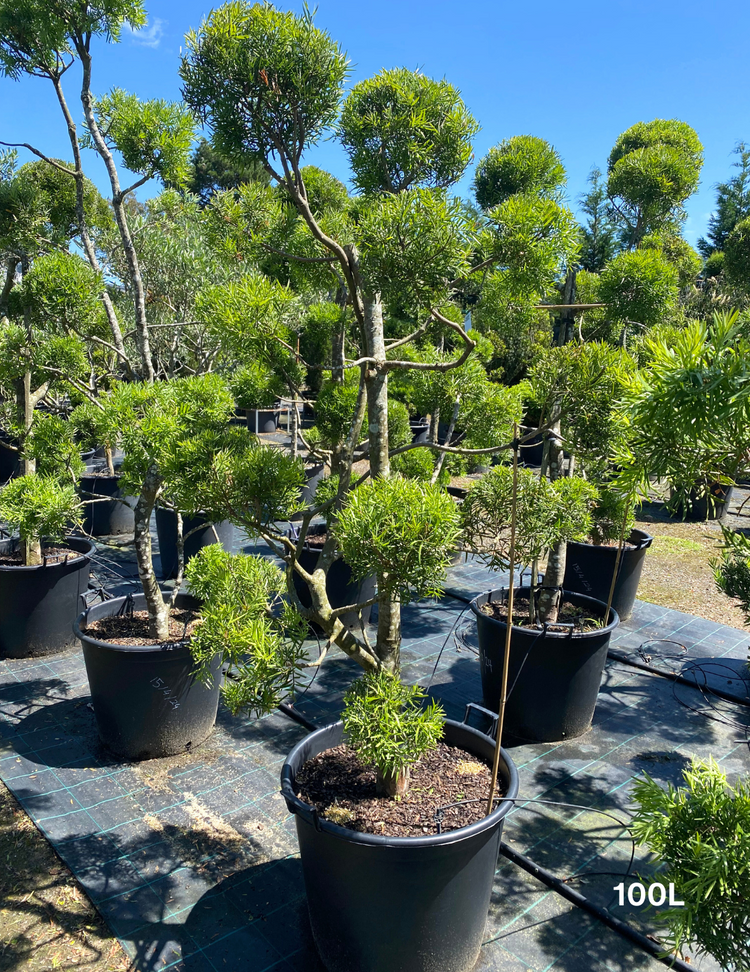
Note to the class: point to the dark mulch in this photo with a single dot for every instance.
(133, 629)
(569, 613)
(316, 540)
(51, 555)
(343, 791)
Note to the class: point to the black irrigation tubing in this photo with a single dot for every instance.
(614, 655)
(601, 914)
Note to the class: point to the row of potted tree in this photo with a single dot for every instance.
(400, 264)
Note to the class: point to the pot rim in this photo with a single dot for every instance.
(639, 544)
(82, 555)
(307, 812)
(81, 633)
(578, 635)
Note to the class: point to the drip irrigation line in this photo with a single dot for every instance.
(601, 914)
(614, 655)
(288, 710)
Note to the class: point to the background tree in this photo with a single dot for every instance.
(44, 40)
(599, 232)
(210, 173)
(732, 204)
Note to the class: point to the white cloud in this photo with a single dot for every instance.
(148, 36)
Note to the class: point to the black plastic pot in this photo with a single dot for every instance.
(530, 453)
(313, 476)
(147, 700)
(106, 517)
(553, 678)
(263, 419)
(341, 587)
(704, 505)
(166, 533)
(10, 464)
(589, 569)
(38, 605)
(397, 904)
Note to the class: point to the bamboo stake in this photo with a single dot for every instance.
(617, 561)
(509, 626)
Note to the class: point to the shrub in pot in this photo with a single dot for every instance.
(689, 412)
(590, 564)
(256, 390)
(109, 508)
(171, 433)
(557, 659)
(45, 571)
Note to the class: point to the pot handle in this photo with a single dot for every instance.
(645, 544)
(487, 712)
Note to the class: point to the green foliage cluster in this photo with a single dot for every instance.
(584, 385)
(414, 245)
(38, 506)
(522, 164)
(653, 168)
(737, 256)
(732, 205)
(732, 568)
(532, 237)
(255, 386)
(247, 623)
(547, 513)
(688, 411)
(639, 288)
(154, 137)
(701, 833)
(258, 77)
(402, 531)
(401, 129)
(386, 724)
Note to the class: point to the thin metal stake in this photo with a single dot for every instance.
(509, 626)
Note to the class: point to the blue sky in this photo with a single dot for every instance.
(576, 74)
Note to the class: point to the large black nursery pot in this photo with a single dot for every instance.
(554, 676)
(263, 419)
(38, 605)
(398, 904)
(313, 476)
(206, 534)
(710, 503)
(147, 699)
(589, 568)
(341, 587)
(106, 517)
(530, 453)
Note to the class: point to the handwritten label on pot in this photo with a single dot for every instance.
(166, 691)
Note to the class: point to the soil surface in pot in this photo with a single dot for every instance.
(50, 555)
(343, 791)
(316, 540)
(132, 629)
(568, 613)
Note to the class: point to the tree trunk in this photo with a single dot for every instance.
(10, 273)
(392, 784)
(131, 258)
(376, 381)
(158, 612)
(388, 645)
(31, 551)
(83, 231)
